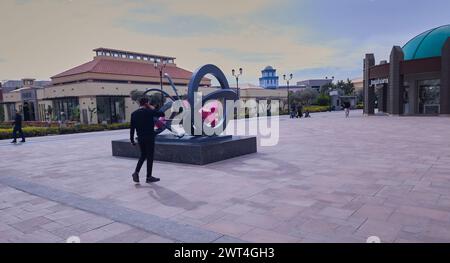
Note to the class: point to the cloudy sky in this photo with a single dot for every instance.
(310, 38)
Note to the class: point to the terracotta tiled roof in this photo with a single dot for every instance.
(123, 67)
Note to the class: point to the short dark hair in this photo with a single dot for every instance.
(143, 101)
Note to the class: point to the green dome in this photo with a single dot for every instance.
(428, 44)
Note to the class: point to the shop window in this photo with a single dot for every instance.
(111, 109)
(429, 96)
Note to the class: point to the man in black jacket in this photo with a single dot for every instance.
(18, 128)
(143, 122)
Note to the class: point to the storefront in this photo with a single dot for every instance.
(66, 109)
(111, 109)
(416, 79)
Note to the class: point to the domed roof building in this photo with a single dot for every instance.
(428, 44)
(415, 81)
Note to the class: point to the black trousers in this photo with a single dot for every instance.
(147, 146)
(18, 129)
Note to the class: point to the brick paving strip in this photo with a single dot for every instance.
(147, 222)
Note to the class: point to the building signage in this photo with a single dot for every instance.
(376, 82)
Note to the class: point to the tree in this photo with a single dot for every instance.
(325, 89)
(323, 100)
(155, 98)
(76, 114)
(306, 96)
(348, 88)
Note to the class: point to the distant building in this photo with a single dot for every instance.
(358, 84)
(314, 83)
(23, 95)
(269, 79)
(259, 94)
(338, 100)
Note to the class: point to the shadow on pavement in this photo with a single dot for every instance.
(170, 198)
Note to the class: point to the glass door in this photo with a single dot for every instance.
(429, 97)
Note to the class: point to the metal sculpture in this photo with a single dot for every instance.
(209, 114)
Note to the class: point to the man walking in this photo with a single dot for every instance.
(18, 128)
(347, 107)
(142, 120)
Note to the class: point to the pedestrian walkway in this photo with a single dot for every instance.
(330, 179)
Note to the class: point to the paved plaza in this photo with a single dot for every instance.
(329, 179)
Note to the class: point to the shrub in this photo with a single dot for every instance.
(316, 108)
(6, 125)
(323, 100)
(6, 133)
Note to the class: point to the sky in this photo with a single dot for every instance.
(309, 38)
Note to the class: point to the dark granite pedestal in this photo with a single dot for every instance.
(191, 150)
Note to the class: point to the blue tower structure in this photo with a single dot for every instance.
(269, 79)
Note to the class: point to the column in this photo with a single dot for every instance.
(5, 112)
(395, 93)
(369, 92)
(445, 79)
(130, 107)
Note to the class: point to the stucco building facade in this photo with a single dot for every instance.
(99, 90)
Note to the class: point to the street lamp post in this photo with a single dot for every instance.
(288, 92)
(160, 67)
(237, 75)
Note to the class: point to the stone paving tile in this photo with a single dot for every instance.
(130, 236)
(104, 232)
(416, 211)
(387, 232)
(265, 236)
(227, 227)
(374, 212)
(31, 225)
(336, 212)
(258, 220)
(156, 239)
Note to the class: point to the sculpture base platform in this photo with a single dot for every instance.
(190, 149)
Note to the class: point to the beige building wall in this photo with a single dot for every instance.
(87, 93)
(130, 107)
(358, 84)
(5, 110)
(11, 97)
